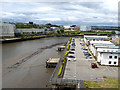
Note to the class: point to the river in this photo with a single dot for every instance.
(10, 50)
(31, 73)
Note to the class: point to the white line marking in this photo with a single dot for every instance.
(108, 69)
(113, 69)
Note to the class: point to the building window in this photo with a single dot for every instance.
(115, 57)
(109, 62)
(114, 62)
(110, 57)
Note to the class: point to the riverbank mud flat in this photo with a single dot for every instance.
(28, 71)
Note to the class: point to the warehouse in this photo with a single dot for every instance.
(7, 30)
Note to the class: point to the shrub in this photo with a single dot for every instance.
(104, 77)
(68, 46)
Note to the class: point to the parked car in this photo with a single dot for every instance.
(71, 52)
(83, 48)
(85, 51)
(93, 65)
(72, 49)
(82, 44)
(88, 57)
(71, 58)
(73, 44)
(73, 40)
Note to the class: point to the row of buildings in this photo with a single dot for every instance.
(9, 29)
(106, 52)
(81, 28)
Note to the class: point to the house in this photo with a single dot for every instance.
(7, 30)
(85, 28)
(76, 28)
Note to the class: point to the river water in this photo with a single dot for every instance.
(31, 73)
(10, 50)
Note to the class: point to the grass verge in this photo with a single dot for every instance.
(107, 83)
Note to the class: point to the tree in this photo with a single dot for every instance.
(72, 25)
(49, 24)
(62, 30)
(30, 22)
(58, 31)
(113, 32)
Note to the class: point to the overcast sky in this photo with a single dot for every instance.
(62, 13)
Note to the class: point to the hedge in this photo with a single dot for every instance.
(60, 71)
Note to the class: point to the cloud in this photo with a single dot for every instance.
(67, 13)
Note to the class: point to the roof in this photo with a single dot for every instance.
(100, 42)
(110, 52)
(96, 38)
(92, 36)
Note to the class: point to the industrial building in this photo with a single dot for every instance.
(26, 31)
(7, 30)
(85, 28)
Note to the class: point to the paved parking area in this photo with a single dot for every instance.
(81, 68)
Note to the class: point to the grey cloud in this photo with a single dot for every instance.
(69, 13)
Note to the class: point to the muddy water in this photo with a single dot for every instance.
(31, 73)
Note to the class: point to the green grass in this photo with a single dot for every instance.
(107, 83)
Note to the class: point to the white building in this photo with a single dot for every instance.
(85, 28)
(94, 38)
(7, 30)
(106, 52)
(22, 31)
(54, 27)
(67, 27)
(109, 55)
